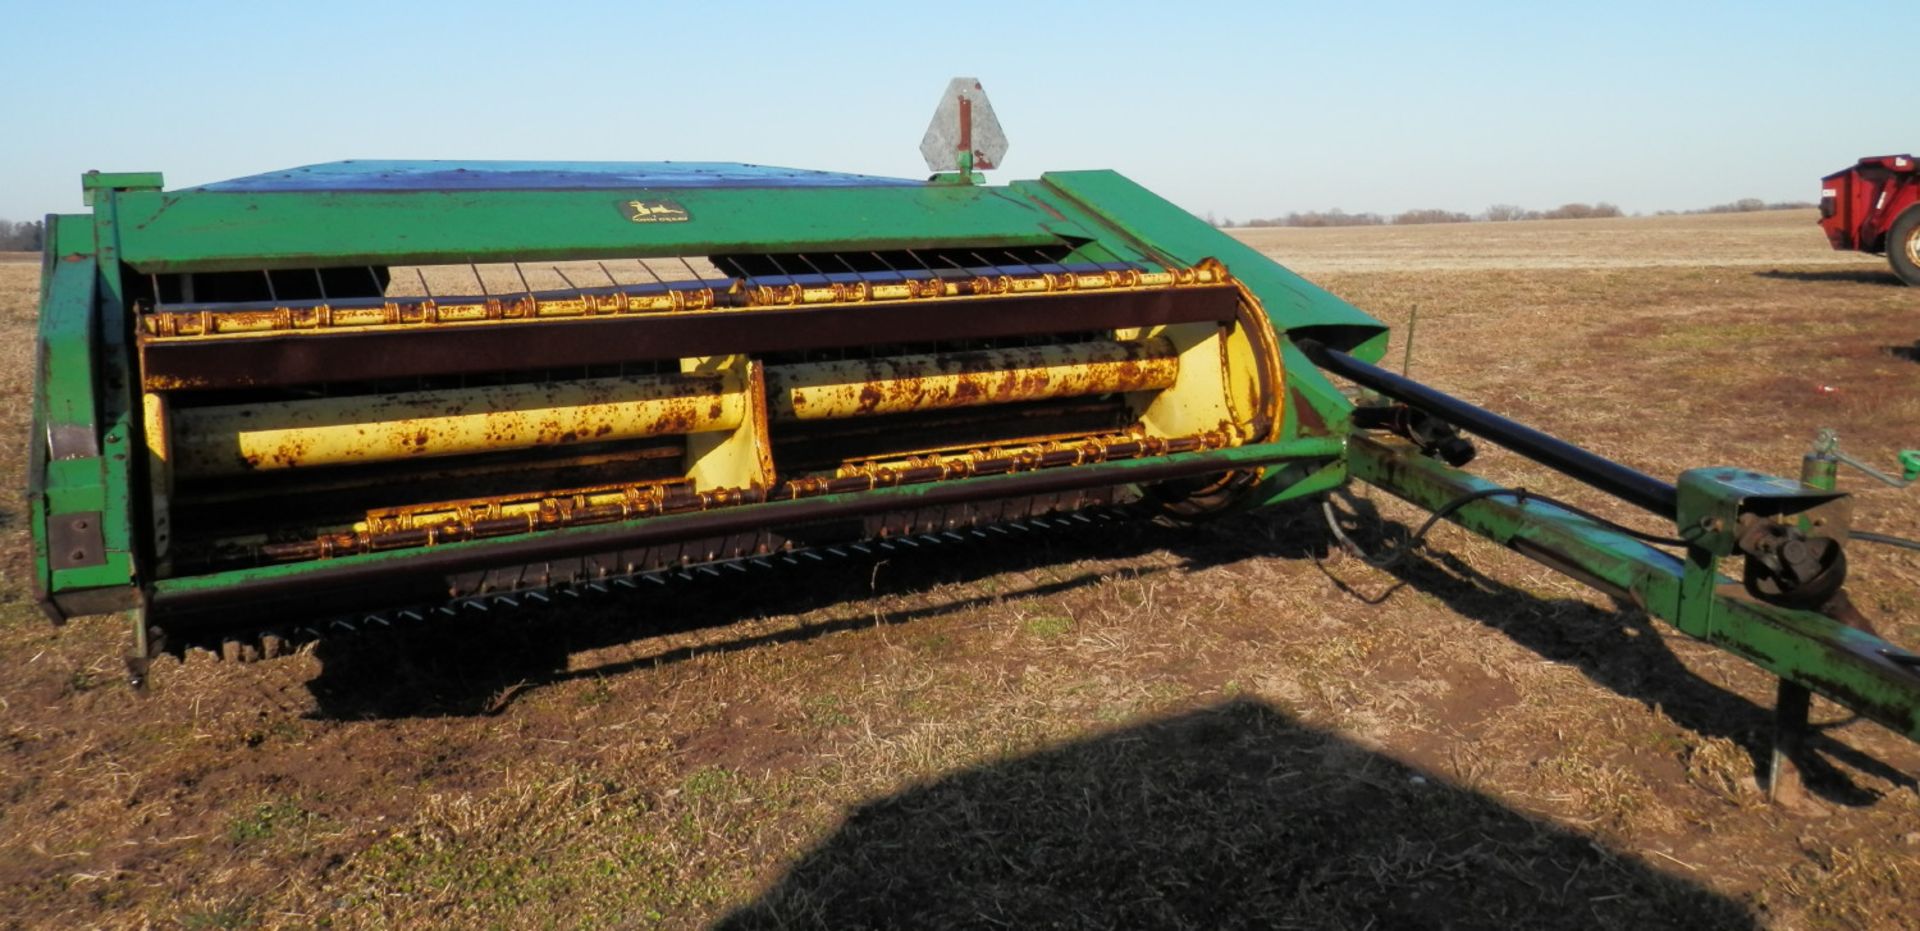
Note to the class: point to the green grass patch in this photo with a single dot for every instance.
(826, 711)
(264, 821)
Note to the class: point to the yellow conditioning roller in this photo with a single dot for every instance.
(905, 384)
(335, 431)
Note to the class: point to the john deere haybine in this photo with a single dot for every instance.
(388, 388)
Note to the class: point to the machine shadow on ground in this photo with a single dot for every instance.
(475, 665)
(1883, 276)
(471, 664)
(1230, 816)
(1909, 353)
(1624, 651)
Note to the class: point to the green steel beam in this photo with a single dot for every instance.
(1859, 670)
(213, 231)
(94, 183)
(121, 452)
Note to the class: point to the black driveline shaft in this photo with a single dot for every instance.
(1630, 485)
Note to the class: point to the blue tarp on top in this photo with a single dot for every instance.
(382, 175)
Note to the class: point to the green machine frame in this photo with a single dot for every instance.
(89, 552)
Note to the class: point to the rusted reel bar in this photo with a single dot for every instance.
(662, 298)
(234, 439)
(534, 586)
(450, 522)
(914, 383)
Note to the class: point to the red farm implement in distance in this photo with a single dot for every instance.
(1874, 206)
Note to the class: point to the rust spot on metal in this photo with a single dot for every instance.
(480, 518)
(902, 384)
(1306, 415)
(345, 429)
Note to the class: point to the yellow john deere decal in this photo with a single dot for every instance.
(654, 211)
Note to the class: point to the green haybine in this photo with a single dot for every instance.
(372, 386)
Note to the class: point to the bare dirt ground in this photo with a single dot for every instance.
(1208, 727)
(1743, 239)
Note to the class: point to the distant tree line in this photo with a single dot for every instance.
(1743, 205)
(1498, 213)
(1495, 214)
(24, 236)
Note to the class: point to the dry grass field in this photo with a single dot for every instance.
(1209, 727)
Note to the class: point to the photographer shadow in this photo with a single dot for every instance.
(1231, 816)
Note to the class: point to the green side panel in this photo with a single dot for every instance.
(211, 231)
(1292, 302)
(67, 234)
(37, 430)
(78, 460)
(67, 375)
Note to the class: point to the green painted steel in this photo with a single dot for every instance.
(37, 450)
(84, 441)
(75, 469)
(122, 451)
(94, 182)
(66, 344)
(1294, 304)
(1711, 500)
(87, 390)
(1852, 667)
(211, 230)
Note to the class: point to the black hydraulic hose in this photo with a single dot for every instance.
(1884, 539)
(1522, 496)
(1634, 487)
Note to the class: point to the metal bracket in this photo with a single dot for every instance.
(1710, 503)
(72, 441)
(74, 541)
(1791, 705)
(1791, 536)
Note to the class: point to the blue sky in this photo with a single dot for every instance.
(1241, 110)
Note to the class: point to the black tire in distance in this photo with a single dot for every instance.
(1903, 246)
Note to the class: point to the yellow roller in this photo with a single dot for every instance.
(335, 431)
(905, 384)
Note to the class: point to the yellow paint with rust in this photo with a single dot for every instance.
(155, 431)
(236, 439)
(1190, 386)
(556, 508)
(912, 383)
(743, 456)
(738, 295)
(1229, 380)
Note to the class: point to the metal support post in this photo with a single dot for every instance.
(1791, 704)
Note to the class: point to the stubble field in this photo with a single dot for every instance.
(1219, 726)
